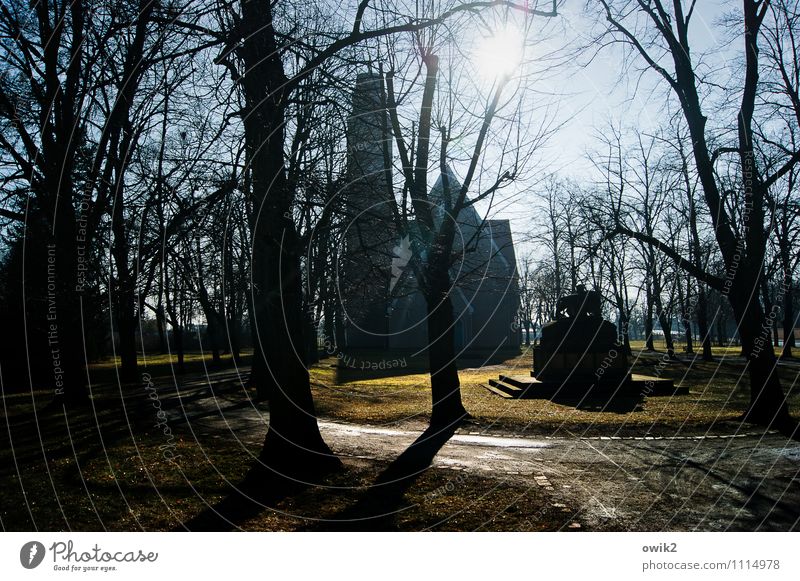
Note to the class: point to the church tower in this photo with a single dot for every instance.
(365, 270)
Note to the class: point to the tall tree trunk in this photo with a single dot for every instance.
(214, 330)
(53, 290)
(776, 340)
(230, 293)
(666, 327)
(767, 403)
(447, 408)
(624, 324)
(767, 302)
(121, 145)
(65, 329)
(722, 329)
(648, 317)
(174, 318)
(293, 445)
(702, 322)
(162, 337)
(235, 336)
(683, 302)
(657, 304)
(124, 299)
(177, 333)
(257, 369)
(214, 319)
(328, 318)
(445, 385)
(311, 339)
(788, 320)
(743, 249)
(126, 327)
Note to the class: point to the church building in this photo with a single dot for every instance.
(384, 308)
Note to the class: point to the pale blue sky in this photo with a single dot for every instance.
(586, 97)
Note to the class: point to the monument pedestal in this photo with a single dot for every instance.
(579, 360)
(609, 366)
(580, 350)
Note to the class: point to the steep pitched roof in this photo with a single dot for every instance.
(501, 237)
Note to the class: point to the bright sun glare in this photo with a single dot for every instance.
(500, 54)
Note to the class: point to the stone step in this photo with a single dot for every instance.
(522, 387)
(497, 391)
(520, 381)
(506, 387)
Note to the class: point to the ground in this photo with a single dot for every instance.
(658, 463)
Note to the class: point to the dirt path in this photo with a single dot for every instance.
(717, 483)
(738, 481)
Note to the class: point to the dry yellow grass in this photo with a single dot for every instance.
(163, 359)
(718, 393)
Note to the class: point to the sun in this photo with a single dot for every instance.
(500, 54)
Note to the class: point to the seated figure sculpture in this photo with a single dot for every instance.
(579, 347)
(581, 303)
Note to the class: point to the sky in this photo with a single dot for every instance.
(585, 96)
(596, 92)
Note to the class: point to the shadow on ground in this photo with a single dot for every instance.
(588, 398)
(374, 511)
(249, 499)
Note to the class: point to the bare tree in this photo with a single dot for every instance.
(664, 29)
(257, 38)
(782, 98)
(437, 234)
(43, 85)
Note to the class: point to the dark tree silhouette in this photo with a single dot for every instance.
(743, 249)
(293, 444)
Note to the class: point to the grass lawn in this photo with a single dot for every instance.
(718, 394)
(100, 467)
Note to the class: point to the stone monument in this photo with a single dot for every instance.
(580, 359)
(580, 347)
